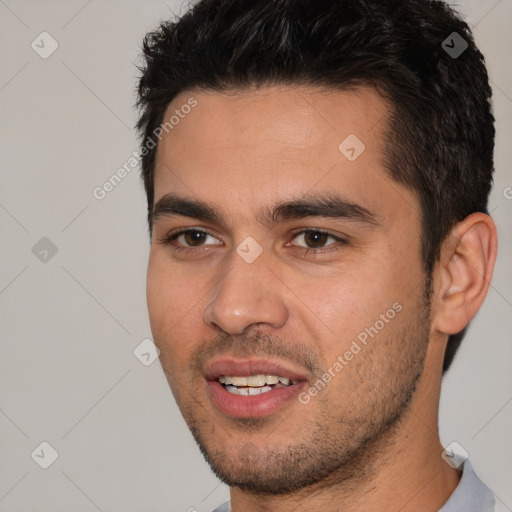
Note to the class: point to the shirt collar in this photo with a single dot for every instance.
(471, 495)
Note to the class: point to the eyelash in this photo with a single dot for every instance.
(169, 239)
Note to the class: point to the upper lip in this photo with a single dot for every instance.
(246, 367)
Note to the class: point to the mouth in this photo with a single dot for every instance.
(252, 388)
(254, 384)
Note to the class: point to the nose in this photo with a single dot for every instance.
(249, 293)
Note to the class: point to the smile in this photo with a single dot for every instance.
(253, 387)
(253, 384)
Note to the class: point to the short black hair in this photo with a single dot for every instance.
(440, 135)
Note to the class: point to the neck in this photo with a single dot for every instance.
(402, 470)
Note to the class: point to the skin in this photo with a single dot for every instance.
(369, 440)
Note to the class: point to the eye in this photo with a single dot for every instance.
(311, 241)
(188, 238)
(315, 240)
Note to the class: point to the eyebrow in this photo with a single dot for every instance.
(309, 205)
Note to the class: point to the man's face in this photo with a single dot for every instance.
(245, 293)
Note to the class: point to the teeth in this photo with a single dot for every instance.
(248, 391)
(238, 391)
(254, 381)
(259, 391)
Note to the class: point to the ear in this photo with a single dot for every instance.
(464, 272)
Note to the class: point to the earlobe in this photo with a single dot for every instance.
(465, 271)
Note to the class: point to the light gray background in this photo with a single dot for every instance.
(69, 326)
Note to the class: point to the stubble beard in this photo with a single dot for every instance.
(333, 447)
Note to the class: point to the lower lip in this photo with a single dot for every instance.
(254, 406)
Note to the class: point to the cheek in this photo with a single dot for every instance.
(170, 299)
(347, 302)
(159, 296)
(343, 301)
(170, 291)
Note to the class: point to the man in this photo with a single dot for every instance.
(317, 176)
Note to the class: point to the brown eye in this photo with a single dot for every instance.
(194, 238)
(189, 238)
(314, 239)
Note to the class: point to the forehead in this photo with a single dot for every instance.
(277, 119)
(260, 146)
